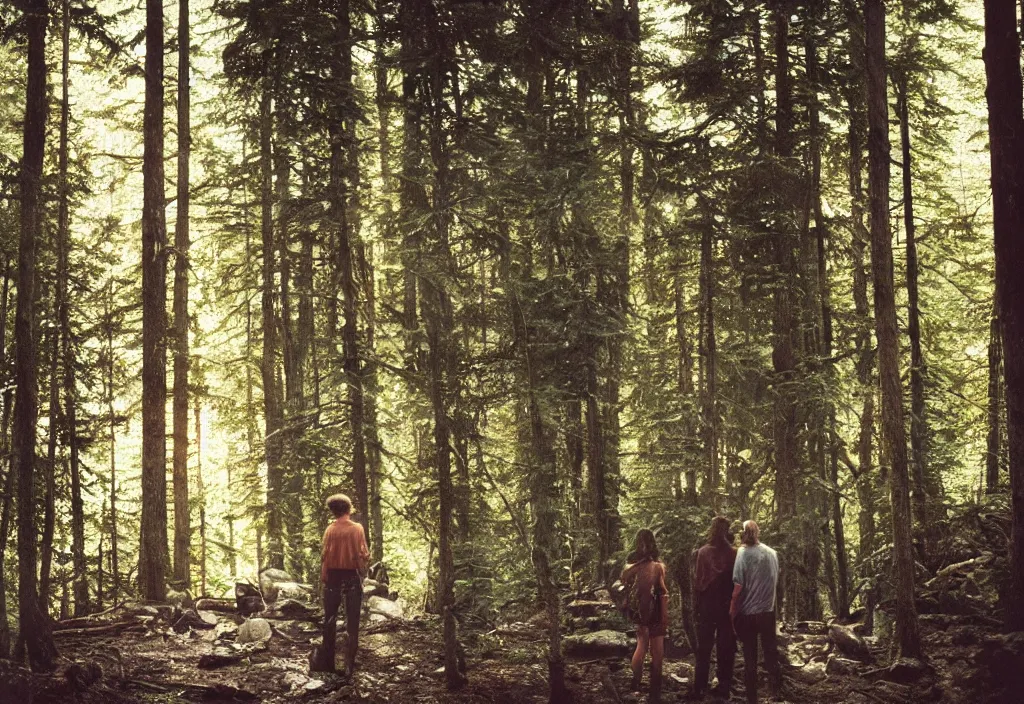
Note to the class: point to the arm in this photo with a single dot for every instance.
(734, 605)
(364, 554)
(323, 559)
(629, 572)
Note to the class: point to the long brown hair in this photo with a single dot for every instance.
(646, 545)
(719, 531)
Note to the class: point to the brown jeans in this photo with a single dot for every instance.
(750, 628)
(342, 586)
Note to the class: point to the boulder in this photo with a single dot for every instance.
(372, 587)
(598, 644)
(290, 590)
(390, 609)
(269, 578)
(254, 630)
(849, 643)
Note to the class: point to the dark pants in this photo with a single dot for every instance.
(342, 586)
(749, 629)
(714, 630)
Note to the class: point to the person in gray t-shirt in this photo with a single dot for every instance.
(755, 576)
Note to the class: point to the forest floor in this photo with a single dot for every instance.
(400, 661)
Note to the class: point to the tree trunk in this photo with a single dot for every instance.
(50, 476)
(182, 521)
(115, 568)
(832, 504)
(6, 463)
(887, 331)
(439, 322)
(34, 626)
(685, 381)
(918, 421)
(709, 355)
(784, 327)
(153, 556)
(345, 182)
(1006, 139)
(995, 354)
(373, 449)
(864, 361)
(197, 411)
(273, 412)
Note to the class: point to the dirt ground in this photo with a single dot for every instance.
(400, 662)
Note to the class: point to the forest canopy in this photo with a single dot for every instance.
(521, 277)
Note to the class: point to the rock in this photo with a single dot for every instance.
(685, 670)
(584, 608)
(272, 574)
(906, 671)
(225, 629)
(270, 580)
(539, 619)
(372, 587)
(598, 644)
(390, 609)
(181, 599)
(202, 620)
(291, 590)
(249, 605)
(220, 657)
(841, 666)
(849, 643)
(254, 630)
(295, 680)
(811, 673)
(964, 635)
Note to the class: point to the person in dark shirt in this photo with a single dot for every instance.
(713, 590)
(645, 578)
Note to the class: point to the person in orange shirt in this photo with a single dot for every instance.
(343, 567)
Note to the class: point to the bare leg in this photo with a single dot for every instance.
(642, 643)
(657, 658)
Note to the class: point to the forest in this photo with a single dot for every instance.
(520, 277)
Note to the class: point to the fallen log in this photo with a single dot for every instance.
(224, 606)
(217, 692)
(99, 630)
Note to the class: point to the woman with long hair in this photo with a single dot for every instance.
(712, 586)
(644, 580)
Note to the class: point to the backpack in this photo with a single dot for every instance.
(643, 611)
